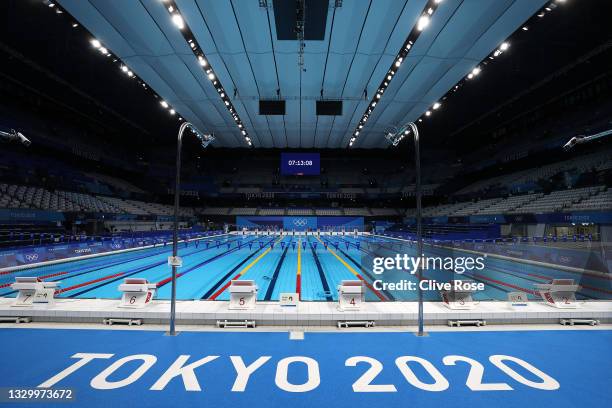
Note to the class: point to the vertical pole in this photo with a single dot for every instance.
(177, 190)
(417, 160)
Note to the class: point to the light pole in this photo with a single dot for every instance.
(395, 137)
(205, 140)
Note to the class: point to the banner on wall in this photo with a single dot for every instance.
(300, 223)
(29, 215)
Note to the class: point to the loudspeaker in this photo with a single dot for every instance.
(274, 107)
(329, 108)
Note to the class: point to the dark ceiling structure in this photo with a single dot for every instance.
(211, 62)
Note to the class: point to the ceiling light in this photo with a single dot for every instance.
(470, 76)
(124, 68)
(130, 74)
(103, 50)
(436, 105)
(504, 46)
(178, 21)
(74, 25)
(476, 71)
(211, 76)
(172, 111)
(95, 43)
(164, 104)
(203, 62)
(427, 113)
(422, 23)
(525, 28)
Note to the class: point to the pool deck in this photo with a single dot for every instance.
(203, 312)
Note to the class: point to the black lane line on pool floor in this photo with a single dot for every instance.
(146, 267)
(361, 268)
(275, 275)
(326, 289)
(212, 290)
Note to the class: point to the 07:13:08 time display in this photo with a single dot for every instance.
(299, 162)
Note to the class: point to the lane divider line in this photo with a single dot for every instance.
(326, 289)
(213, 289)
(298, 278)
(141, 269)
(242, 272)
(354, 272)
(272, 283)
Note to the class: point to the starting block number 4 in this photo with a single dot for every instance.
(350, 301)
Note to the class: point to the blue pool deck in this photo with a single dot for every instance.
(535, 368)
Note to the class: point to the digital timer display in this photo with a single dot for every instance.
(300, 164)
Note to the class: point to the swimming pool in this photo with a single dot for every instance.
(310, 265)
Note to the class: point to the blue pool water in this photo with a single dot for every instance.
(273, 262)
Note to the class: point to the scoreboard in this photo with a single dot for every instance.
(300, 164)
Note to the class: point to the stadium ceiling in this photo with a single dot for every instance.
(361, 41)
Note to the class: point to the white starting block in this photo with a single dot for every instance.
(560, 293)
(458, 299)
(33, 290)
(350, 295)
(243, 294)
(137, 292)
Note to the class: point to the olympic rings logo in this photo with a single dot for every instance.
(31, 257)
(300, 222)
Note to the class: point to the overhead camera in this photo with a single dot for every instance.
(24, 140)
(572, 142)
(14, 135)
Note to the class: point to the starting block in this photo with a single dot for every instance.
(33, 290)
(560, 293)
(243, 294)
(458, 299)
(350, 295)
(137, 292)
